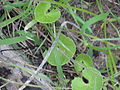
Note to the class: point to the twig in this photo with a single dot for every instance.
(45, 58)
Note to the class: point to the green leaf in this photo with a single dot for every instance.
(95, 80)
(58, 64)
(118, 88)
(67, 46)
(83, 59)
(93, 20)
(43, 16)
(57, 58)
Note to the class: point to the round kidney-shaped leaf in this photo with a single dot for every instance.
(83, 59)
(94, 80)
(43, 16)
(66, 45)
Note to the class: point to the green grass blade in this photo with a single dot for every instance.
(93, 20)
(29, 35)
(106, 39)
(67, 6)
(104, 48)
(13, 40)
(114, 19)
(79, 20)
(30, 24)
(99, 6)
(6, 22)
(96, 48)
(40, 75)
(16, 4)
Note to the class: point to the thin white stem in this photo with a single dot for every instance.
(48, 54)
